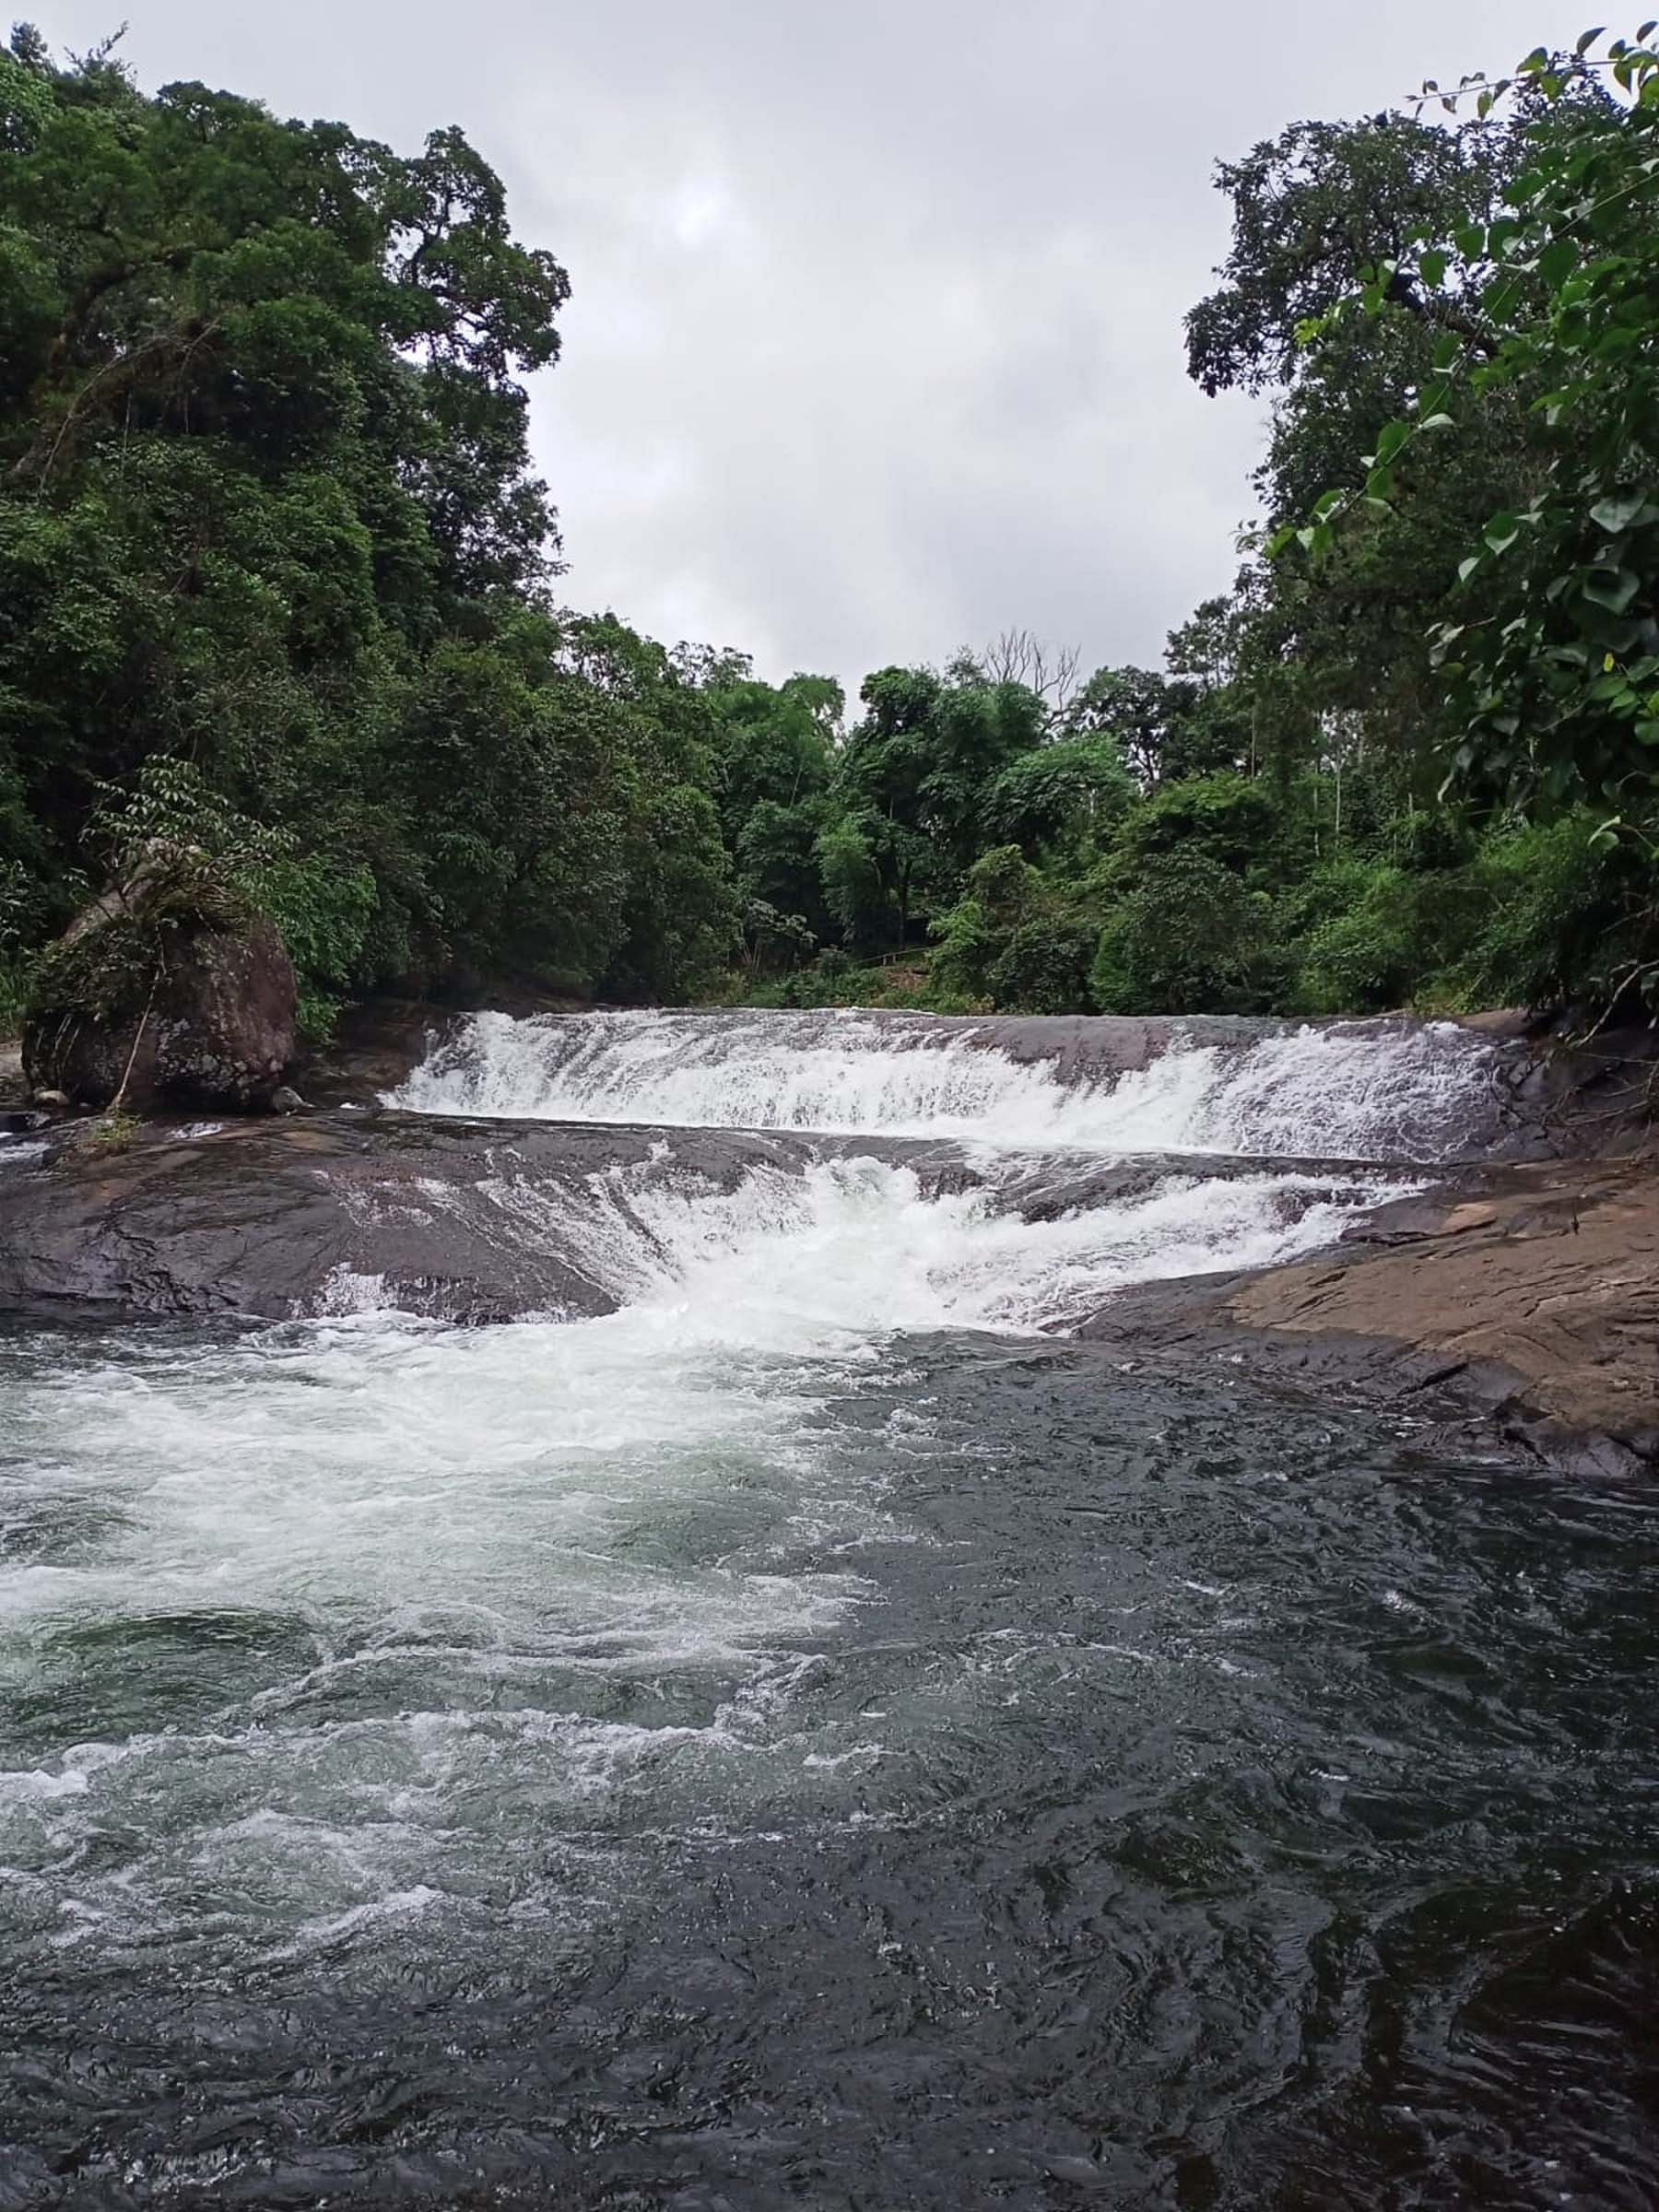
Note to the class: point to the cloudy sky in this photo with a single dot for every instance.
(875, 348)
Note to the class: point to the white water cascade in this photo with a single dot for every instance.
(1417, 1093)
(1084, 1176)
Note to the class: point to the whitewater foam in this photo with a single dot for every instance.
(1419, 1091)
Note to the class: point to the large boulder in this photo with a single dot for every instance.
(166, 990)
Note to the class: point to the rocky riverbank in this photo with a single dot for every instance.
(1526, 1298)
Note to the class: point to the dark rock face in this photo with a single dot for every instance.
(218, 1029)
(458, 1221)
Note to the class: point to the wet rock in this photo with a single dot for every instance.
(271, 1218)
(1527, 1295)
(58, 1101)
(287, 1099)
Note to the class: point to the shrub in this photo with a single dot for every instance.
(1043, 967)
(1565, 918)
(1390, 933)
(1189, 939)
(1224, 819)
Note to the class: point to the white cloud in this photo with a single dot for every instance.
(874, 346)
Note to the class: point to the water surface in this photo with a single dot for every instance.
(816, 1736)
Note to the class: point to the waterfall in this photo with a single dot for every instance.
(443, 1759)
(1349, 1091)
(991, 1174)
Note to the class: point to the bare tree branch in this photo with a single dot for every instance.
(1019, 656)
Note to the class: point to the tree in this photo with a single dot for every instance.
(1312, 208)
(775, 751)
(916, 776)
(1019, 656)
(1547, 652)
(266, 514)
(1189, 939)
(1060, 799)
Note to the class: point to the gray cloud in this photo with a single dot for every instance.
(874, 346)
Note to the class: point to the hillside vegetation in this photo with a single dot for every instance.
(278, 585)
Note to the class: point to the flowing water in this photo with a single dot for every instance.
(818, 1734)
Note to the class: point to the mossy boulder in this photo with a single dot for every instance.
(168, 991)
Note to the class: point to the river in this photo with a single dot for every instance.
(816, 1733)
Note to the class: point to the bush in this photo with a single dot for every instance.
(17, 985)
(1013, 942)
(1224, 819)
(1189, 939)
(1390, 935)
(967, 948)
(324, 910)
(1564, 918)
(1044, 967)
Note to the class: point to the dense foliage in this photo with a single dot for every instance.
(266, 520)
(277, 584)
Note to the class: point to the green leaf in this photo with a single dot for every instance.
(1379, 485)
(1465, 569)
(1647, 733)
(1619, 511)
(1537, 59)
(1448, 352)
(1433, 266)
(1436, 422)
(1612, 588)
(1471, 239)
(1588, 40)
(1392, 438)
(1558, 262)
(1501, 531)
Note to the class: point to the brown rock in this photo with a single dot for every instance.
(200, 1013)
(1539, 1302)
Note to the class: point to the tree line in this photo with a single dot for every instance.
(278, 583)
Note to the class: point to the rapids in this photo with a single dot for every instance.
(1354, 1090)
(800, 1729)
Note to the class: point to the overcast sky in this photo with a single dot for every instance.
(875, 345)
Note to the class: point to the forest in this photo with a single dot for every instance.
(279, 586)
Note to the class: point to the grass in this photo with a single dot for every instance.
(109, 1135)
